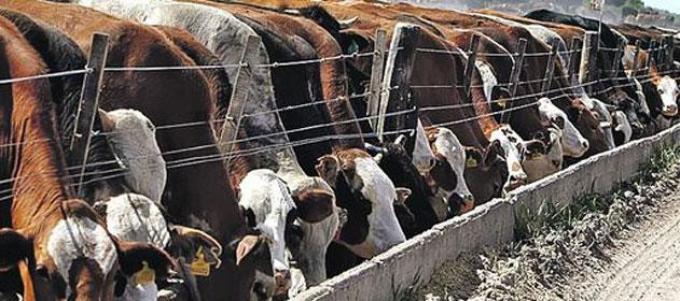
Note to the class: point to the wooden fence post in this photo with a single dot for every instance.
(670, 50)
(576, 49)
(588, 70)
(651, 56)
(377, 70)
(396, 85)
(470, 66)
(239, 97)
(89, 102)
(636, 59)
(620, 50)
(549, 69)
(514, 79)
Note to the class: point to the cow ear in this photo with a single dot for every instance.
(328, 168)
(473, 157)
(493, 151)
(136, 256)
(402, 195)
(197, 239)
(314, 205)
(14, 247)
(108, 124)
(247, 248)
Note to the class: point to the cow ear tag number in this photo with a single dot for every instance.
(145, 276)
(471, 163)
(199, 266)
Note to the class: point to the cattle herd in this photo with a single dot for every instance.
(247, 151)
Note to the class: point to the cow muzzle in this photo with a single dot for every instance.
(670, 110)
(282, 279)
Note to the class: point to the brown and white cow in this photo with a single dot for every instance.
(54, 262)
(197, 195)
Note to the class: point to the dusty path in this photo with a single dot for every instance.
(646, 264)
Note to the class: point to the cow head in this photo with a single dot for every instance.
(269, 208)
(512, 145)
(368, 195)
(636, 112)
(488, 170)
(543, 154)
(79, 260)
(318, 221)
(668, 91)
(423, 158)
(622, 130)
(132, 138)
(588, 124)
(448, 173)
(573, 143)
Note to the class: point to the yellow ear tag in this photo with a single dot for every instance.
(199, 267)
(145, 275)
(502, 103)
(471, 163)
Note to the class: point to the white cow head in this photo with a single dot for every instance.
(446, 145)
(668, 90)
(573, 143)
(423, 158)
(622, 126)
(513, 146)
(539, 164)
(132, 138)
(269, 208)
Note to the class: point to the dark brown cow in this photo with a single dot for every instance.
(53, 264)
(198, 195)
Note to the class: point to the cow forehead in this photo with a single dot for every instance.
(377, 186)
(76, 237)
(668, 84)
(134, 217)
(268, 197)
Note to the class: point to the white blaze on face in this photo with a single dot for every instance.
(133, 141)
(447, 144)
(134, 217)
(423, 158)
(622, 125)
(267, 196)
(509, 141)
(311, 257)
(573, 143)
(668, 90)
(80, 237)
(384, 230)
(605, 120)
(488, 78)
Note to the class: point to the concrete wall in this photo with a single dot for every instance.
(413, 262)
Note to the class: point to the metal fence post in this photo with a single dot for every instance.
(514, 79)
(239, 96)
(377, 70)
(651, 56)
(89, 102)
(549, 69)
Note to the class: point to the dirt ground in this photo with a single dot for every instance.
(624, 246)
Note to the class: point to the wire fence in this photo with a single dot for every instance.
(529, 100)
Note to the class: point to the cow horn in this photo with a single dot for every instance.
(400, 140)
(605, 125)
(344, 24)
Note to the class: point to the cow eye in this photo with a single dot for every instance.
(150, 126)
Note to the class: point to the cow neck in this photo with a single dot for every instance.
(61, 54)
(34, 159)
(199, 194)
(334, 88)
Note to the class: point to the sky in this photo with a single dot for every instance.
(669, 5)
